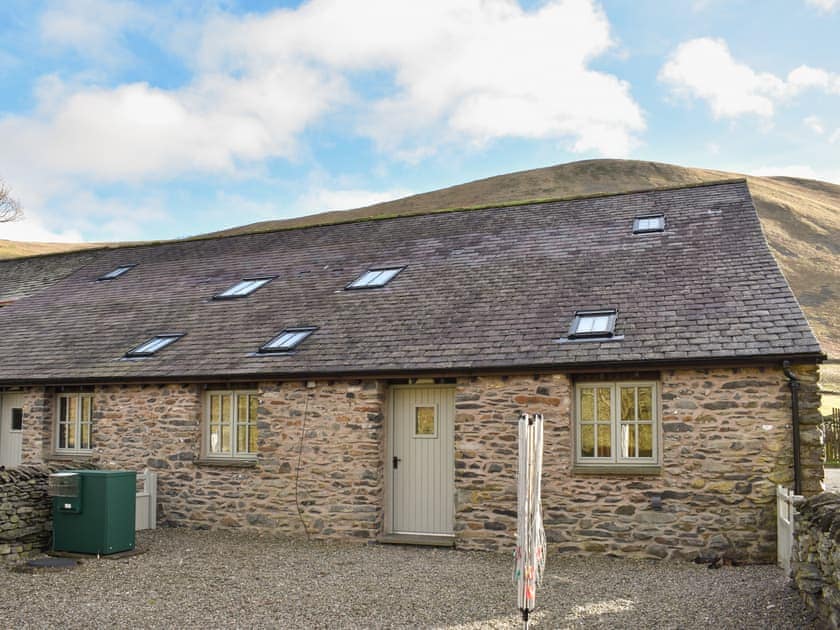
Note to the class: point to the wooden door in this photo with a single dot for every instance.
(11, 426)
(422, 460)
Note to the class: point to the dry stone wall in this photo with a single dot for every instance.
(320, 469)
(25, 512)
(815, 562)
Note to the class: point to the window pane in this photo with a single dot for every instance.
(62, 435)
(252, 439)
(241, 438)
(587, 404)
(645, 440)
(424, 421)
(645, 403)
(587, 441)
(72, 409)
(225, 448)
(604, 440)
(254, 402)
(71, 435)
(215, 409)
(628, 403)
(86, 408)
(215, 439)
(85, 441)
(604, 404)
(628, 440)
(225, 409)
(242, 409)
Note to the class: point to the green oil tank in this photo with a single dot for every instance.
(93, 510)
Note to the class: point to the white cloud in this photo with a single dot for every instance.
(704, 68)
(412, 77)
(814, 124)
(325, 199)
(795, 170)
(137, 131)
(835, 137)
(462, 70)
(33, 228)
(93, 28)
(824, 5)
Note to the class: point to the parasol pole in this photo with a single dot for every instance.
(530, 536)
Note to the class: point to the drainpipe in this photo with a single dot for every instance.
(794, 413)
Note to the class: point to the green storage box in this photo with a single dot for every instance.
(93, 511)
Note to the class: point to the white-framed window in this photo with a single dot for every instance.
(617, 423)
(230, 424)
(243, 288)
(74, 414)
(375, 278)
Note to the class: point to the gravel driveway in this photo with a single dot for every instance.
(190, 579)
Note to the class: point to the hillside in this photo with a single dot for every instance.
(801, 219)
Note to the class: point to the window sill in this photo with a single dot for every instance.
(81, 456)
(617, 469)
(230, 462)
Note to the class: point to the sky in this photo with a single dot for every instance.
(147, 120)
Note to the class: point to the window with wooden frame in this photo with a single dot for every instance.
(230, 424)
(74, 417)
(617, 423)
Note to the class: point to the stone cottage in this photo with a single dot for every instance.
(363, 380)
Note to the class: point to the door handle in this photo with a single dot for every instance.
(396, 461)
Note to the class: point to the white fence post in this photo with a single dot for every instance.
(785, 525)
(146, 502)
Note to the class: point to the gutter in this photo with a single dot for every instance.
(794, 384)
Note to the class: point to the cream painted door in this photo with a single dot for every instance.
(422, 460)
(11, 424)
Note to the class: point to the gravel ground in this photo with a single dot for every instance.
(192, 579)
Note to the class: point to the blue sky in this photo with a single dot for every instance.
(127, 120)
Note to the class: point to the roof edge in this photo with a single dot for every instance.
(386, 217)
(543, 368)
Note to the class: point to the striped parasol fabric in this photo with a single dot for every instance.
(530, 535)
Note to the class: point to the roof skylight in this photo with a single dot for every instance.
(593, 324)
(243, 288)
(148, 348)
(652, 223)
(374, 278)
(289, 339)
(116, 273)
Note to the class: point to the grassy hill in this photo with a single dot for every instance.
(801, 219)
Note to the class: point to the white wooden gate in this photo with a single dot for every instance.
(145, 513)
(785, 523)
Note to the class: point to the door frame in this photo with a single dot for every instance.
(388, 520)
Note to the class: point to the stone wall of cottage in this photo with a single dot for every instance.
(726, 442)
(318, 470)
(815, 562)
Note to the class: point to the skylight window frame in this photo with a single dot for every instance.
(355, 286)
(138, 351)
(116, 272)
(228, 294)
(602, 333)
(640, 225)
(304, 331)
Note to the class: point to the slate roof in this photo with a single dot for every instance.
(482, 289)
